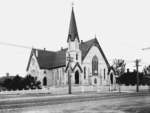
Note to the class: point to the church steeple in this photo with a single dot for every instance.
(73, 32)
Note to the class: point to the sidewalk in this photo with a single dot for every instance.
(52, 96)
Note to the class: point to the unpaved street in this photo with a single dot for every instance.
(125, 104)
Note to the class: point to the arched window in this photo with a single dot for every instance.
(95, 65)
(44, 81)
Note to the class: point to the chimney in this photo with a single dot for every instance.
(36, 53)
(81, 41)
(7, 74)
(61, 48)
(128, 70)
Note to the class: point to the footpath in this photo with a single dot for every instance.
(7, 98)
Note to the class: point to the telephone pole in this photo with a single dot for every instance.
(137, 75)
(69, 59)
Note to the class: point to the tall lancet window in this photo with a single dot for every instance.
(95, 65)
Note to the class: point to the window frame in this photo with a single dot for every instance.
(95, 65)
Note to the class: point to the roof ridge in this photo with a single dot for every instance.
(44, 50)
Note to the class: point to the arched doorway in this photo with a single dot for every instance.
(76, 77)
(45, 81)
(111, 78)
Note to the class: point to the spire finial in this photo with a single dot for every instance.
(72, 4)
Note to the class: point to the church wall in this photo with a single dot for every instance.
(55, 77)
(87, 62)
(34, 69)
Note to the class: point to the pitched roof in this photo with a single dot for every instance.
(45, 58)
(50, 59)
(73, 32)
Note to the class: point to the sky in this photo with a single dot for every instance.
(122, 28)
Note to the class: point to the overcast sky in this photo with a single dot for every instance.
(122, 28)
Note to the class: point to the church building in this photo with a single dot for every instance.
(84, 61)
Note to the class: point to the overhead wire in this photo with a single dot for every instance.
(15, 45)
(27, 47)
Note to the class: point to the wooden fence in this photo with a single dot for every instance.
(77, 89)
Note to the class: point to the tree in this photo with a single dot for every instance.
(7, 83)
(31, 82)
(21, 83)
(119, 67)
(146, 70)
(16, 83)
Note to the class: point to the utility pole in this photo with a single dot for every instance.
(69, 59)
(137, 75)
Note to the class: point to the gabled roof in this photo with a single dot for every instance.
(111, 68)
(78, 65)
(86, 46)
(68, 67)
(73, 31)
(50, 59)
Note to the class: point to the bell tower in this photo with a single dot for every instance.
(73, 42)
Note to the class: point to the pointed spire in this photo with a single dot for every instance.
(73, 32)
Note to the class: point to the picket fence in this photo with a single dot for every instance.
(76, 89)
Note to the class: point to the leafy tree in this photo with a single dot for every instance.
(7, 83)
(21, 83)
(146, 70)
(119, 66)
(16, 83)
(31, 82)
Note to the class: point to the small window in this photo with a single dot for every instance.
(77, 56)
(95, 81)
(84, 72)
(104, 74)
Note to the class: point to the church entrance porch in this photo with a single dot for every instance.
(76, 77)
